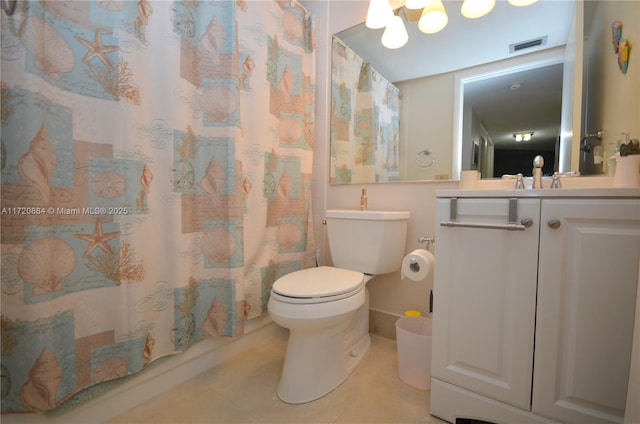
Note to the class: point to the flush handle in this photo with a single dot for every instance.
(553, 223)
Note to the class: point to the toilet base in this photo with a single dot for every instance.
(305, 382)
(306, 375)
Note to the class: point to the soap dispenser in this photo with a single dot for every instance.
(363, 200)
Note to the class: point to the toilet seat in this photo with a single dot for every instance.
(316, 285)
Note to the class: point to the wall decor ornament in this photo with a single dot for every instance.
(623, 55)
(621, 46)
(616, 35)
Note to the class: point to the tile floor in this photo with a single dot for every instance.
(243, 390)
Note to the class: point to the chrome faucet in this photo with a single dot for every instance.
(538, 163)
(519, 182)
(555, 180)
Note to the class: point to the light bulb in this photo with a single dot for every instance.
(378, 14)
(395, 34)
(518, 138)
(434, 18)
(521, 2)
(416, 4)
(527, 137)
(476, 8)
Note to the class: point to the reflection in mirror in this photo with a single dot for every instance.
(427, 70)
(499, 108)
(364, 121)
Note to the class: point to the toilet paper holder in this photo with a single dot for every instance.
(428, 241)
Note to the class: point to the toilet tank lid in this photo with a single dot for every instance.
(357, 214)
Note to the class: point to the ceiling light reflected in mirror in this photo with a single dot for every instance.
(474, 9)
(433, 17)
(395, 34)
(379, 14)
(416, 4)
(523, 136)
(521, 3)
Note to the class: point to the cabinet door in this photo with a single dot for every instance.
(484, 300)
(586, 301)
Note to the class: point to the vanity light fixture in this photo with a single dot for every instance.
(476, 8)
(434, 18)
(395, 34)
(523, 136)
(379, 14)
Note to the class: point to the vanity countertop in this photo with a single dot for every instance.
(576, 187)
(612, 192)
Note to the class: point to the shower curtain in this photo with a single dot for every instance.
(156, 175)
(365, 120)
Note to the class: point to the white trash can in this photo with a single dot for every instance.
(413, 336)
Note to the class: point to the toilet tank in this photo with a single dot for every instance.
(371, 242)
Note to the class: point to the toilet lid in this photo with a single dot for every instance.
(320, 282)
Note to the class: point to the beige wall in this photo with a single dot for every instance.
(426, 120)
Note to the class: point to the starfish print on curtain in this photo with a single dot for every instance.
(97, 239)
(96, 49)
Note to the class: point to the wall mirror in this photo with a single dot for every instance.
(465, 91)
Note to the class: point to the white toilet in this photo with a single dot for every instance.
(326, 309)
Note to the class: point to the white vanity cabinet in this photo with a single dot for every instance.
(534, 309)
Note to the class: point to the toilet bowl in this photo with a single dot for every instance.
(316, 361)
(326, 309)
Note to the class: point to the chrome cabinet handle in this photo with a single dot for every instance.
(508, 227)
(553, 223)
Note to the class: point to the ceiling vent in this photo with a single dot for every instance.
(523, 45)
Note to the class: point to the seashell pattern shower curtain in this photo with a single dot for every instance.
(156, 180)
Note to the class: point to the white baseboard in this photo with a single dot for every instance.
(157, 379)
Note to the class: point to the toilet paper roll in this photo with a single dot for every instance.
(416, 266)
(627, 171)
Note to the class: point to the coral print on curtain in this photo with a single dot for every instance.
(365, 121)
(156, 175)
